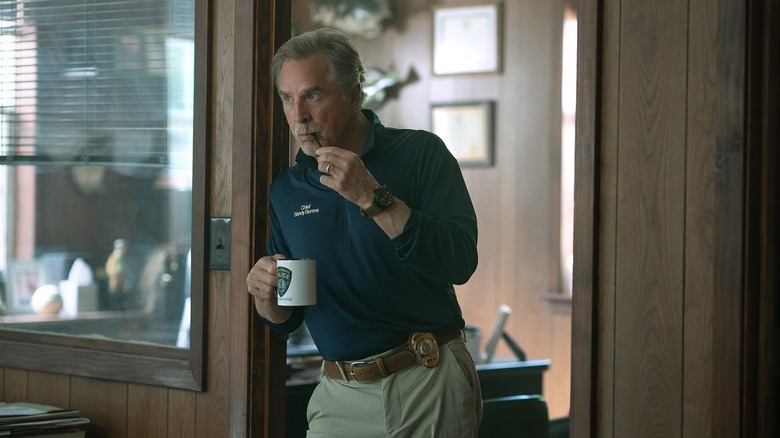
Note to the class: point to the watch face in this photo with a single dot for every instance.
(383, 197)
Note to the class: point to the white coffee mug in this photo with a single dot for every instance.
(296, 282)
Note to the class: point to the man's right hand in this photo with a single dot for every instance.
(261, 284)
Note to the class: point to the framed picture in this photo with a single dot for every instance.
(467, 130)
(24, 278)
(466, 40)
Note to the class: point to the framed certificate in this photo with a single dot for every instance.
(466, 40)
(467, 130)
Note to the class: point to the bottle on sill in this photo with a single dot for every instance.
(117, 270)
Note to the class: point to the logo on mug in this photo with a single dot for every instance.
(285, 277)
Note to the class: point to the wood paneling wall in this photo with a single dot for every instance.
(665, 326)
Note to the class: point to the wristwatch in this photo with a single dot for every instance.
(383, 199)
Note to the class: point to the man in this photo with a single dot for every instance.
(386, 214)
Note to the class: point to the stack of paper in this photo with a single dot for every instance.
(30, 420)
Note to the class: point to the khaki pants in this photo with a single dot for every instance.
(416, 401)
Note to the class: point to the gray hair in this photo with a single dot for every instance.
(345, 69)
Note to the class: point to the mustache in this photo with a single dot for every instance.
(305, 128)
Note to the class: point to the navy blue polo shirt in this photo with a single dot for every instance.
(372, 291)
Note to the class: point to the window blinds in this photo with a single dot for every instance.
(88, 81)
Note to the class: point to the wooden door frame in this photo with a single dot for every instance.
(260, 151)
(586, 236)
(761, 281)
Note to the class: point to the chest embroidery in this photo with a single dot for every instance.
(305, 209)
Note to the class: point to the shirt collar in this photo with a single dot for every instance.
(375, 125)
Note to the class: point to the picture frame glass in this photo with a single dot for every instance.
(25, 277)
(466, 129)
(465, 40)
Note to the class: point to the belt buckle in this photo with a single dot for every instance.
(360, 363)
(425, 348)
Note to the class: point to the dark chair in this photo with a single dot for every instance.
(559, 427)
(523, 416)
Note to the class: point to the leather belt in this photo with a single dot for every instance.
(367, 370)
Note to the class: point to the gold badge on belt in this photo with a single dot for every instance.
(425, 348)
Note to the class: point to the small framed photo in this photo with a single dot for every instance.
(24, 278)
(467, 130)
(466, 40)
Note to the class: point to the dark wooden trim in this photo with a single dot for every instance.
(261, 27)
(762, 254)
(200, 187)
(586, 189)
(277, 159)
(245, 193)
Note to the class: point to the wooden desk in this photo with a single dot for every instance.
(502, 379)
